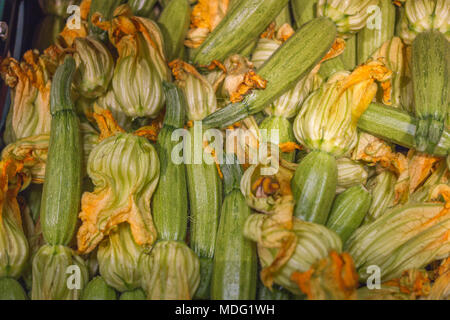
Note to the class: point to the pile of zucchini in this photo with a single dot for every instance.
(229, 150)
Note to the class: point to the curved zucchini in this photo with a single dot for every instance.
(349, 210)
(291, 62)
(430, 68)
(62, 187)
(245, 22)
(398, 127)
(235, 264)
(314, 187)
(169, 203)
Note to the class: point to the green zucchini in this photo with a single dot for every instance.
(370, 38)
(283, 127)
(348, 56)
(314, 187)
(205, 200)
(62, 187)
(10, 289)
(169, 203)
(303, 11)
(330, 67)
(290, 63)
(398, 127)
(430, 70)
(349, 210)
(174, 23)
(142, 8)
(98, 289)
(245, 22)
(137, 294)
(235, 263)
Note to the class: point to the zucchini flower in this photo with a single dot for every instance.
(331, 278)
(382, 188)
(118, 257)
(109, 102)
(141, 66)
(14, 248)
(95, 67)
(49, 282)
(350, 173)
(438, 179)
(349, 16)
(268, 193)
(171, 271)
(125, 171)
(205, 17)
(393, 55)
(30, 81)
(304, 245)
(441, 286)
(405, 237)
(31, 152)
(328, 118)
(424, 15)
(200, 96)
(411, 285)
(90, 138)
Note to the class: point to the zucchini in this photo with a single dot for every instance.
(205, 200)
(349, 210)
(370, 38)
(430, 69)
(169, 203)
(235, 263)
(98, 289)
(174, 23)
(303, 11)
(398, 127)
(291, 62)
(283, 127)
(10, 289)
(142, 8)
(348, 56)
(245, 22)
(62, 187)
(314, 187)
(330, 67)
(106, 9)
(137, 294)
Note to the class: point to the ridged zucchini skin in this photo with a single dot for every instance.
(62, 187)
(10, 289)
(303, 11)
(169, 203)
(98, 289)
(430, 70)
(291, 62)
(348, 211)
(235, 263)
(245, 22)
(397, 127)
(205, 201)
(370, 39)
(174, 23)
(314, 187)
